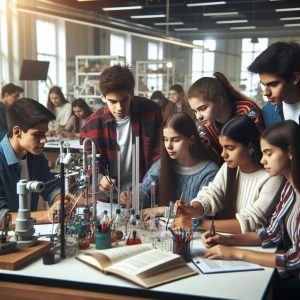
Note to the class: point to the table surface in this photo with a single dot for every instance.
(233, 285)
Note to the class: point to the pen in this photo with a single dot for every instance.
(212, 230)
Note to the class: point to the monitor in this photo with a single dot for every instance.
(34, 70)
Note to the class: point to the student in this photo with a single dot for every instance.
(242, 193)
(80, 112)
(61, 108)
(159, 98)
(115, 127)
(215, 101)
(177, 102)
(184, 166)
(280, 145)
(278, 68)
(21, 154)
(10, 93)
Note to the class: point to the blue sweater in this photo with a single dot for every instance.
(188, 180)
(10, 173)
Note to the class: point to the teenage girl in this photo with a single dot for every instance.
(280, 145)
(184, 165)
(80, 112)
(61, 108)
(214, 101)
(242, 195)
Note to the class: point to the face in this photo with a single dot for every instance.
(233, 153)
(206, 111)
(274, 160)
(275, 88)
(55, 99)
(78, 112)
(10, 99)
(174, 96)
(118, 103)
(177, 145)
(34, 139)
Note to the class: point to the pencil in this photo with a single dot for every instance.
(212, 230)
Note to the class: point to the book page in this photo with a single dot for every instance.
(147, 261)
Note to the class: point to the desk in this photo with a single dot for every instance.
(68, 275)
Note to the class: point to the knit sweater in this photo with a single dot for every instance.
(257, 197)
(188, 180)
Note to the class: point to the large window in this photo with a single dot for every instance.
(203, 60)
(47, 50)
(251, 48)
(117, 45)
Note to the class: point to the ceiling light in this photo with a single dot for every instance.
(169, 23)
(232, 21)
(242, 27)
(122, 8)
(292, 25)
(148, 16)
(287, 9)
(186, 29)
(290, 19)
(221, 14)
(206, 3)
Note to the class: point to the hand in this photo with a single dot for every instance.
(222, 252)
(183, 222)
(210, 241)
(54, 210)
(157, 212)
(124, 199)
(106, 184)
(185, 210)
(51, 133)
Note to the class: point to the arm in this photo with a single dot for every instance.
(229, 226)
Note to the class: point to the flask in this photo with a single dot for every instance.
(134, 237)
(118, 227)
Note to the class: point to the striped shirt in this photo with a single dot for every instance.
(145, 118)
(284, 228)
(210, 134)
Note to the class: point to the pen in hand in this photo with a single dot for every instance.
(212, 230)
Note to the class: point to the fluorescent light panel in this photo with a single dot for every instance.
(242, 27)
(232, 13)
(121, 8)
(232, 21)
(168, 23)
(290, 19)
(206, 3)
(287, 9)
(148, 16)
(292, 25)
(186, 29)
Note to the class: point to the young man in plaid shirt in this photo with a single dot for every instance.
(115, 127)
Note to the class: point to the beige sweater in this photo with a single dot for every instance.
(257, 197)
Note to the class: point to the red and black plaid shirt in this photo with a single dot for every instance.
(146, 119)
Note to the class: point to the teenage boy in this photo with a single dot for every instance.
(21, 155)
(10, 93)
(279, 70)
(115, 126)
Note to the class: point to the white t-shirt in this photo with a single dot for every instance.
(124, 141)
(291, 111)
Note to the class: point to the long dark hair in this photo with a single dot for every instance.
(84, 106)
(286, 136)
(212, 88)
(56, 90)
(242, 130)
(184, 125)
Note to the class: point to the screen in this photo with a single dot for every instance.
(34, 70)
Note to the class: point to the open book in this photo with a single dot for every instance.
(140, 264)
(208, 266)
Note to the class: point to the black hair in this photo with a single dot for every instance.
(87, 111)
(281, 59)
(285, 135)
(26, 113)
(11, 88)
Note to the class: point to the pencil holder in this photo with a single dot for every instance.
(182, 248)
(103, 240)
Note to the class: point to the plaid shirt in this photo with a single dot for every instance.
(146, 119)
(210, 134)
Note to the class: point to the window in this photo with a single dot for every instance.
(251, 48)
(46, 50)
(203, 61)
(117, 45)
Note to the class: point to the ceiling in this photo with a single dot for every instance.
(193, 21)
